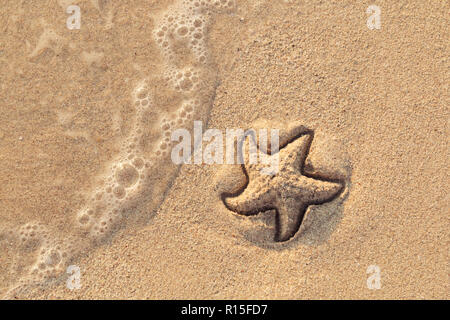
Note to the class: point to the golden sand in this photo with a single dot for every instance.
(86, 177)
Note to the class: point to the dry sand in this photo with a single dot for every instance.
(86, 177)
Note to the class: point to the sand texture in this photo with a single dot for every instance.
(88, 179)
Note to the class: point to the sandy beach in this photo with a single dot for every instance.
(94, 206)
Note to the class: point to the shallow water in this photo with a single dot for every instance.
(87, 119)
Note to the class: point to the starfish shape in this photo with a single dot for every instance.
(289, 191)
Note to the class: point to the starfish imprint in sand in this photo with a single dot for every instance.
(289, 191)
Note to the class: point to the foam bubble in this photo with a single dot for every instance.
(187, 24)
(127, 175)
(140, 167)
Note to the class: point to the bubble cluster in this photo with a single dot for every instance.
(51, 260)
(50, 250)
(141, 97)
(180, 119)
(141, 165)
(123, 179)
(31, 231)
(185, 80)
(186, 24)
(183, 26)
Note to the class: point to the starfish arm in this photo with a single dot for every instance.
(290, 216)
(255, 172)
(314, 191)
(252, 200)
(294, 154)
(251, 155)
